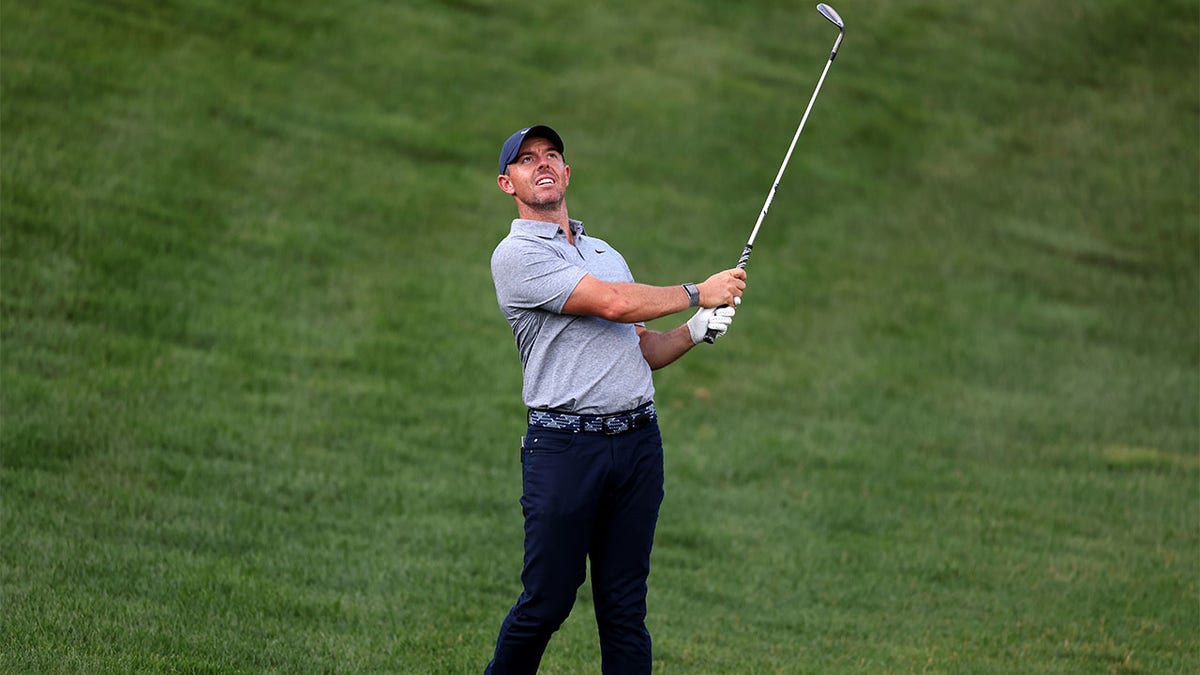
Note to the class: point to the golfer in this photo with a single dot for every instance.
(592, 456)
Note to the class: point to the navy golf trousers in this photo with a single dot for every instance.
(586, 495)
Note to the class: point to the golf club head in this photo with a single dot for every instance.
(831, 14)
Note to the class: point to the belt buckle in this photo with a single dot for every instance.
(619, 424)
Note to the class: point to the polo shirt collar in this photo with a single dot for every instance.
(543, 229)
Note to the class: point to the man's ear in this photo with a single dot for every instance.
(506, 184)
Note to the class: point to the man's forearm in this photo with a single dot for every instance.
(625, 302)
(663, 348)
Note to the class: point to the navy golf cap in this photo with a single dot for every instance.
(513, 145)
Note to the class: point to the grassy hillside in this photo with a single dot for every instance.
(260, 410)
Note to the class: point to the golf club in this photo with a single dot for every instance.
(831, 14)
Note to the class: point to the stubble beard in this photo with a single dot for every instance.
(547, 205)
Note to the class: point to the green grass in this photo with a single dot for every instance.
(260, 410)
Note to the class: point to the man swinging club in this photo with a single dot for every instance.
(592, 456)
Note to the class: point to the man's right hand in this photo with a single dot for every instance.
(722, 288)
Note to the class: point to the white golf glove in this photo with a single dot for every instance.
(717, 319)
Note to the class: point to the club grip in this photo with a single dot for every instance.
(711, 335)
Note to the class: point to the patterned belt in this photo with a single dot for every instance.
(611, 425)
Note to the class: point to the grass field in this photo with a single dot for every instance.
(260, 410)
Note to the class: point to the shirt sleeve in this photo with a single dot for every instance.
(531, 275)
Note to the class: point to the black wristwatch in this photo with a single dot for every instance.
(693, 295)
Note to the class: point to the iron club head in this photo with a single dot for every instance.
(831, 14)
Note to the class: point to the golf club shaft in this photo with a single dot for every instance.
(744, 260)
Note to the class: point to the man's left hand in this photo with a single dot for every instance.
(717, 319)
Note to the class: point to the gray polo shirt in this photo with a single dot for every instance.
(578, 364)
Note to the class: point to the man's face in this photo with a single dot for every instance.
(539, 176)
